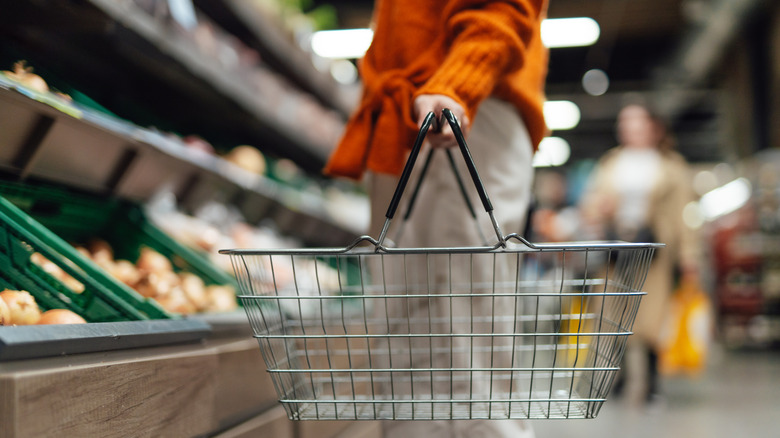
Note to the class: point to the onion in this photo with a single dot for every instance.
(155, 284)
(24, 310)
(152, 261)
(145, 287)
(199, 144)
(84, 251)
(5, 313)
(24, 75)
(194, 289)
(47, 265)
(176, 301)
(63, 96)
(60, 316)
(286, 170)
(221, 299)
(55, 271)
(125, 272)
(247, 158)
(208, 238)
(100, 249)
(72, 284)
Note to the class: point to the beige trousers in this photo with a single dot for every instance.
(502, 152)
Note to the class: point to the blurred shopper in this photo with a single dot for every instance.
(554, 217)
(637, 193)
(485, 61)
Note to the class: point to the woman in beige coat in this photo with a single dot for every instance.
(637, 193)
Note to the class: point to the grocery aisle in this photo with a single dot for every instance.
(737, 397)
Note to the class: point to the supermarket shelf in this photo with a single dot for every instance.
(265, 34)
(151, 72)
(128, 15)
(44, 138)
(26, 342)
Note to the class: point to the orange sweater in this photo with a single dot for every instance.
(465, 49)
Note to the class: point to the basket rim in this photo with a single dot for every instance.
(523, 246)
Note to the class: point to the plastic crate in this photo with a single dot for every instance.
(50, 217)
(103, 300)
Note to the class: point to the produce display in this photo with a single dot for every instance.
(23, 74)
(152, 276)
(288, 104)
(18, 307)
(334, 199)
(220, 228)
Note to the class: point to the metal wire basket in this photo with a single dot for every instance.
(513, 330)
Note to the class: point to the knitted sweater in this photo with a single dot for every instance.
(465, 49)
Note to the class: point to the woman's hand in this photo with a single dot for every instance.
(425, 103)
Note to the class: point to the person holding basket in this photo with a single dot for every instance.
(484, 61)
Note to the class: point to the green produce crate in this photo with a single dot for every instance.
(103, 299)
(58, 216)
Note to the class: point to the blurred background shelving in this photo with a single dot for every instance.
(161, 92)
(186, 76)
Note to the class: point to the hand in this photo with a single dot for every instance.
(425, 103)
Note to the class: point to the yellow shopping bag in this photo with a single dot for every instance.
(688, 331)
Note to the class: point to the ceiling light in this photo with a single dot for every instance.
(556, 32)
(570, 32)
(561, 114)
(725, 199)
(595, 82)
(553, 151)
(341, 44)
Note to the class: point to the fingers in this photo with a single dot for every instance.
(426, 103)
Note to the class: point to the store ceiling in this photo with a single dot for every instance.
(640, 42)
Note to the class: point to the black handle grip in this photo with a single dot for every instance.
(428, 123)
(430, 120)
(464, 149)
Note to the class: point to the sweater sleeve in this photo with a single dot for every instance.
(487, 40)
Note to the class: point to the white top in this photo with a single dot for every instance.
(635, 175)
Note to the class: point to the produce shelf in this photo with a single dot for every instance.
(46, 139)
(151, 71)
(264, 33)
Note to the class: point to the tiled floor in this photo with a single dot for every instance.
(738, 396)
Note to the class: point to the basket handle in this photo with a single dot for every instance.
(428, 123)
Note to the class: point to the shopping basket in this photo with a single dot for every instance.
(511, 330)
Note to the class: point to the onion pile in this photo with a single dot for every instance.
(18, 307)
(24, 75)
(153, 276)
(55, 271)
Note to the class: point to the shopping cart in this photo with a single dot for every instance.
(511, 330)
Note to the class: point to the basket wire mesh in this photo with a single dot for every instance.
(514, 330)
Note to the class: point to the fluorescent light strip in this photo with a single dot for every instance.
(561, 114)
(570, 32)
(725, 199)
(556, 32)
(342, 44)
